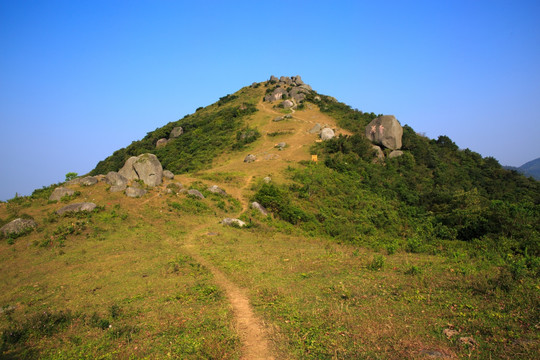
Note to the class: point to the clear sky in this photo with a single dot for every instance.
(81, 79)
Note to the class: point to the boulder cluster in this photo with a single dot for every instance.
(292, 90)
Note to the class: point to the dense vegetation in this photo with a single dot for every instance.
(435, 198)
(207, 134)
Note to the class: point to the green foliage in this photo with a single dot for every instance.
(225, 99)
(277, 200)
(206, 135)
(71, 176)
(377, 263)
(246, 136)
(191, 206)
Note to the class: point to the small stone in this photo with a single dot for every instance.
(17, 226)
(217, 190)
(327, 134)
(176, 132)
(168, 174)
(161, 143)
(195, 193)
(250, 158)
(287, 104)
(89, 181)
(255, 205)
(395, 153)
(468, 340)
(450, 333)
(316, 129)
(267, 179)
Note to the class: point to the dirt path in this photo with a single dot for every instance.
(249, 327)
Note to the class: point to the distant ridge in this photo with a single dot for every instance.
(531, 168)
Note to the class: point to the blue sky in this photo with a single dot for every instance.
(81, 79)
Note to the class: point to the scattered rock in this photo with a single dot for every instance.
(288, 116)
(89, 181)
(174, 188)
(60, 192)
(77, 207)
(145, 167)
(255, 205)
(237, 222)
(267, 179)
(327, 134)
(161, 142)
(435, 354)
(117, 188)
(281, 145)
(195, 193)
(168, 174)
(17, 226)
(176, 132)
(250, 158)
(317, 98)
(379, 154)
(468, 340)
(217, 190)
(316, 129)
(395, 153)
(134, 192)
(449, 333)
(287, 104)
(279, 118)
(285, 79)
(386, 131)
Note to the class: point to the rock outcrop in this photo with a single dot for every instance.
(277, 94)
(17, 227)
(291, 87)
(77, 207)
(89, 181)
(60, 192)
(386, 131)
(145, 167)
(327, 134)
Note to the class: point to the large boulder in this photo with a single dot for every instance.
(327, 134)
(298, 80)
(117, 181)
(17, 226)
(60, 192)
(77, 207)
(134, 192)
(386, 131)
(273, 78)
(145, 167)
(176, 132)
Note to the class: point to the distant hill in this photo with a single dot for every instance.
(531, 168)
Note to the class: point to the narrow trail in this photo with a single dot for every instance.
(255, 345)
(243, 201)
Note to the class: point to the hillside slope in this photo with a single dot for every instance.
(431, 254)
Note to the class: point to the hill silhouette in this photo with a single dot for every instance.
(420, 252)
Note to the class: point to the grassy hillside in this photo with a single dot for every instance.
(434, 254)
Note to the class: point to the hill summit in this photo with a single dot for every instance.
(276, 223)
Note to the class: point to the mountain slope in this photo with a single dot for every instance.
(431, 254)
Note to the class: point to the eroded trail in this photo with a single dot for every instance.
(249, 327)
